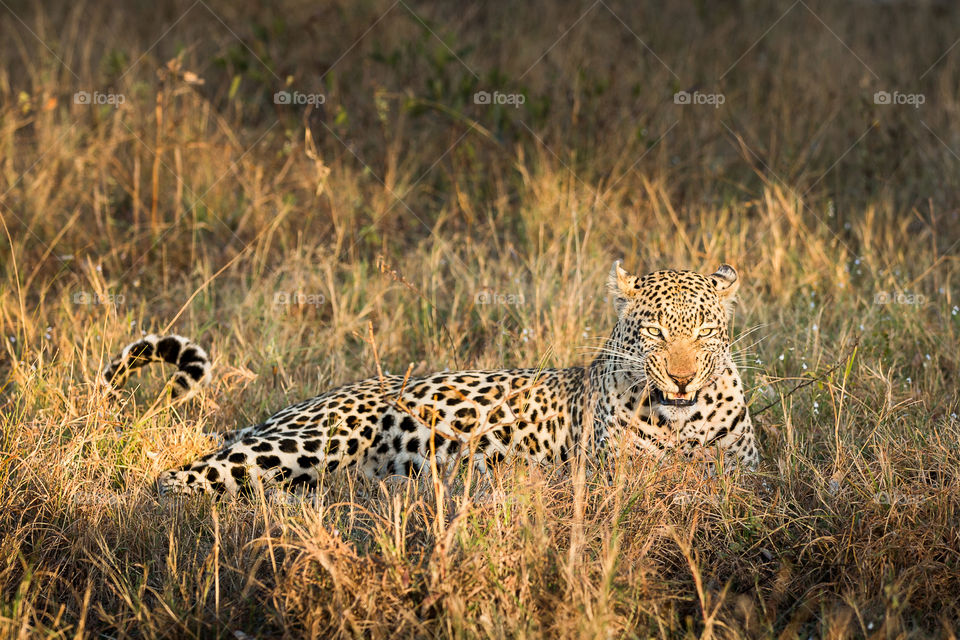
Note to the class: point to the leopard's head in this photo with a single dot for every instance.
(672, 328)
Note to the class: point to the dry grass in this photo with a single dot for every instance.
(201, 207)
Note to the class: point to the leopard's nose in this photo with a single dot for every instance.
(682, 378)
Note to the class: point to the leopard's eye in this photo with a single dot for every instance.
(706, 332)
(654, 332)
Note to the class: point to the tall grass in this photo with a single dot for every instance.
(478, 235)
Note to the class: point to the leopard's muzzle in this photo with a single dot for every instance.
(675, 399)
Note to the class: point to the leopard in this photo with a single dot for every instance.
(663, 382)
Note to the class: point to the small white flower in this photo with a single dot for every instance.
(955, 310)
(758, 361)
(804, 366)
(857, 261)
(780, 358)
(909, 380)
(816, 328)
(861, 326)
(13, 339)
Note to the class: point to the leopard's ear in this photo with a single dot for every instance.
(622, 285)
(727, 282)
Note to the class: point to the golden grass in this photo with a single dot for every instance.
(274, 234)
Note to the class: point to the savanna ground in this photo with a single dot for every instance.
(479, 235)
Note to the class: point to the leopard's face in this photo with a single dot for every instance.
(672, 328)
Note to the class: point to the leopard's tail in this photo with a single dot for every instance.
(193, 364)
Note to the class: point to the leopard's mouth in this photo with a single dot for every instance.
(675, 399)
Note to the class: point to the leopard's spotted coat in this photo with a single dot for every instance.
(665, 380)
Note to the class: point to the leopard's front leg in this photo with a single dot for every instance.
(736, 440)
